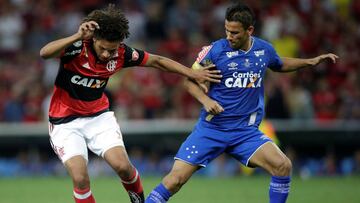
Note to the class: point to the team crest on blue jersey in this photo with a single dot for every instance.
(247, 63)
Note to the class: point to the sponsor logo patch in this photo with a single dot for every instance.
(205, 50)
(88, 82)
(232, 65)
(77, 43)
(259, 53)
(231, 54)
(134, 55)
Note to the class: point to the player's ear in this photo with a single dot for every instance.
(250, 30)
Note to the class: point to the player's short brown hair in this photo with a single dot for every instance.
(114, 26)
(240, 12)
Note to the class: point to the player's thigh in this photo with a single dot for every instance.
(103, 133)
(268, 156)
(117, 158)
(67, 141)
(244, 143)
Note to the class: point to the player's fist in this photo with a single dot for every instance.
(202, 75)
(213, 107)
(315, 61)
(86, 29)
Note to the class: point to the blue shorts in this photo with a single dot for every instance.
(205, 144)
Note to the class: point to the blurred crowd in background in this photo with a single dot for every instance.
(178, 29)
(32, 162)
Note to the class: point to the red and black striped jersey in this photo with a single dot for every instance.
(81, 80)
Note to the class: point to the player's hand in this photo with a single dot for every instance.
(315, 61)
(86, 29)
(204, 74)
(213, 107)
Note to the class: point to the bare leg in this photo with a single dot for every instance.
(272, 159)
(172, 182)
(178, 176)
(77, 169)
(118, 159)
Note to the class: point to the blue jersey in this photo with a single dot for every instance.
(241, 91)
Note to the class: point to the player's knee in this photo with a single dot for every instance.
(124, 170)
(283, 168)
(81, 181)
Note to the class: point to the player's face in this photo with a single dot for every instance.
(104, 49)
(238, 37)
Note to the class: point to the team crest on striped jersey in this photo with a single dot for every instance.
(205, 50)
(111, 65)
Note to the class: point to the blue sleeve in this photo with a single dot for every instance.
(275, 62)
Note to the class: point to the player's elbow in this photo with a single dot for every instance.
(44, 53)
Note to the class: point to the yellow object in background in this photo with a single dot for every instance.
(268, 129)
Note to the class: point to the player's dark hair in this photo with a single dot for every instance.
(240, 12)
(113, 24)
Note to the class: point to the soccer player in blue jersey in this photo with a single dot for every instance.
(234, 108)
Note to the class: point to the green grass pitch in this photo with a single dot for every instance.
(252, 189)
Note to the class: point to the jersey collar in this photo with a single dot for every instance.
(251, 46)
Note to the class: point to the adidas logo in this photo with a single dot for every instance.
(86, 65)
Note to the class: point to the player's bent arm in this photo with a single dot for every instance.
(196, 91)
(294, 64)
(167, 64)
(54, 48)
(209, 104)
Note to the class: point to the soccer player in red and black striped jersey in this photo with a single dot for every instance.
(79, 111)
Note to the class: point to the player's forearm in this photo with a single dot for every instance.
(54, 48)
(167, 64)
(294, 64)
(195, 91)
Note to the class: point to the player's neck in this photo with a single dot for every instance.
(246, 47)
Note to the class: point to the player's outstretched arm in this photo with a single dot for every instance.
(200, 76)
(211, 106)
(293, 64)
(54, 48)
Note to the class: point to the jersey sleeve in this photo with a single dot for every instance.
(134, 57)
(72, 51)
(275, 62)
(204, 57)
